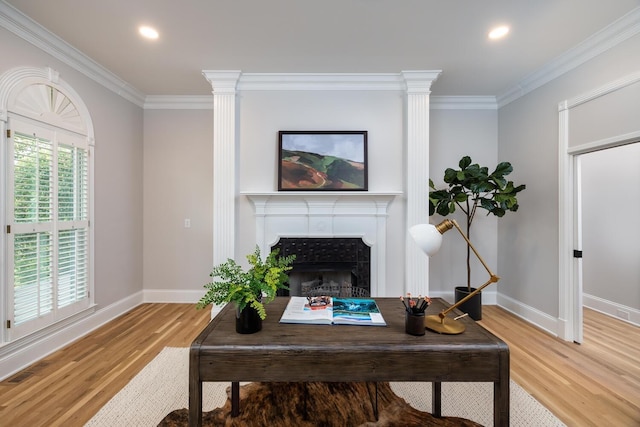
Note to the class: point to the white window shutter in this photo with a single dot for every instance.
(50, 229)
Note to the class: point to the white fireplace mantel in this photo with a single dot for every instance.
(322, 202)
(326, 214)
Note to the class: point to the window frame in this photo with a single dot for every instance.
(55, 225)
(77, 130)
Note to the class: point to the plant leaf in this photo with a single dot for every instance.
(503, 168)
(464, 162)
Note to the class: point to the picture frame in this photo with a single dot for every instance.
(322, 161)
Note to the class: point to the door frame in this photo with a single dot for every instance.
(570, 327)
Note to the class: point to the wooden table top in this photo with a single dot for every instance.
(354, 353)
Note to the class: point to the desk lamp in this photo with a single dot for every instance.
(429, 238)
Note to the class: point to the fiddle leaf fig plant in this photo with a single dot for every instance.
(472, 187)
(254, 287)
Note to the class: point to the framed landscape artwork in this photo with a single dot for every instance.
(322, 161)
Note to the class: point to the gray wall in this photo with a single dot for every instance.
(611, 236)
(178, 185)
(528, 137)
(454, 134)
(118, 172)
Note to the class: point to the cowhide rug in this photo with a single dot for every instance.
(317, 404)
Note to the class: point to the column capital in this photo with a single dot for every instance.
(420, 81)
(224, 81)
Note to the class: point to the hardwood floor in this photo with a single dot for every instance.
(68, 387)
(593, 384)
(596, 383)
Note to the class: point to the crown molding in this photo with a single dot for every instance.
(601, 91)
(321, 81)
(605, 39)
(205, 102)
(24, 27)
(406, 80)
(463, 103)
(178, 102)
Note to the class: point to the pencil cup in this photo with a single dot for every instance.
(414, 323)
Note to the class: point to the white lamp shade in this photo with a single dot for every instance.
(427, 237)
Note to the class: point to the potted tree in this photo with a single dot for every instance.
(249, 290)
(469, 188)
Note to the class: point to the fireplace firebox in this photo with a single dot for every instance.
(335, 266)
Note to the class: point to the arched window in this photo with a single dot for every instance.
(47, 206)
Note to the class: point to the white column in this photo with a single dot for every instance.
(224, 162)
(418, 84)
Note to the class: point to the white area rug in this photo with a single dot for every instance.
(163, 386)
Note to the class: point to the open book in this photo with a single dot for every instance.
(325, 310)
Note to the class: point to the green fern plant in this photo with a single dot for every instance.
(254, 287)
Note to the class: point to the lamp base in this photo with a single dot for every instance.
(443, 326)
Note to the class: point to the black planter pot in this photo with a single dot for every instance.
(248, 321)
(473, 306)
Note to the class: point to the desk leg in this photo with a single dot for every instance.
(436, 399)
(501, 392)
(501, 403)
(195, 390)
(235, 399)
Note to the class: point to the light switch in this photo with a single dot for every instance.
(187, 223)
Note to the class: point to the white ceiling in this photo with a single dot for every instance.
(341, 36)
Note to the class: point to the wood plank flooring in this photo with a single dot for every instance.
(596, 383)
(68, 387)
(593, 384)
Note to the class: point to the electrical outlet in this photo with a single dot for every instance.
(187, 223)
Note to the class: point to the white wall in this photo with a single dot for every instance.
(264, 113)
(528, 137)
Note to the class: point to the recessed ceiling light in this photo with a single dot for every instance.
(499, 32)
(148, 32)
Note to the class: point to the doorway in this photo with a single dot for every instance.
(587, 126)
(610, 202)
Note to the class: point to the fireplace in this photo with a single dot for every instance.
(338, 266)
(355, 220)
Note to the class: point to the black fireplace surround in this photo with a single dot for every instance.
(329, 254)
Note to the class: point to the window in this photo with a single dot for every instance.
(48, 209)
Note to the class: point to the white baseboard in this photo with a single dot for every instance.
(15, 361)
(610, 308)
(530, 314)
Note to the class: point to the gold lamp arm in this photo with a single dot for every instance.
(445, 225)
(429, 242)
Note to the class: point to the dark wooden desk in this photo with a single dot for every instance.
(294, 353)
